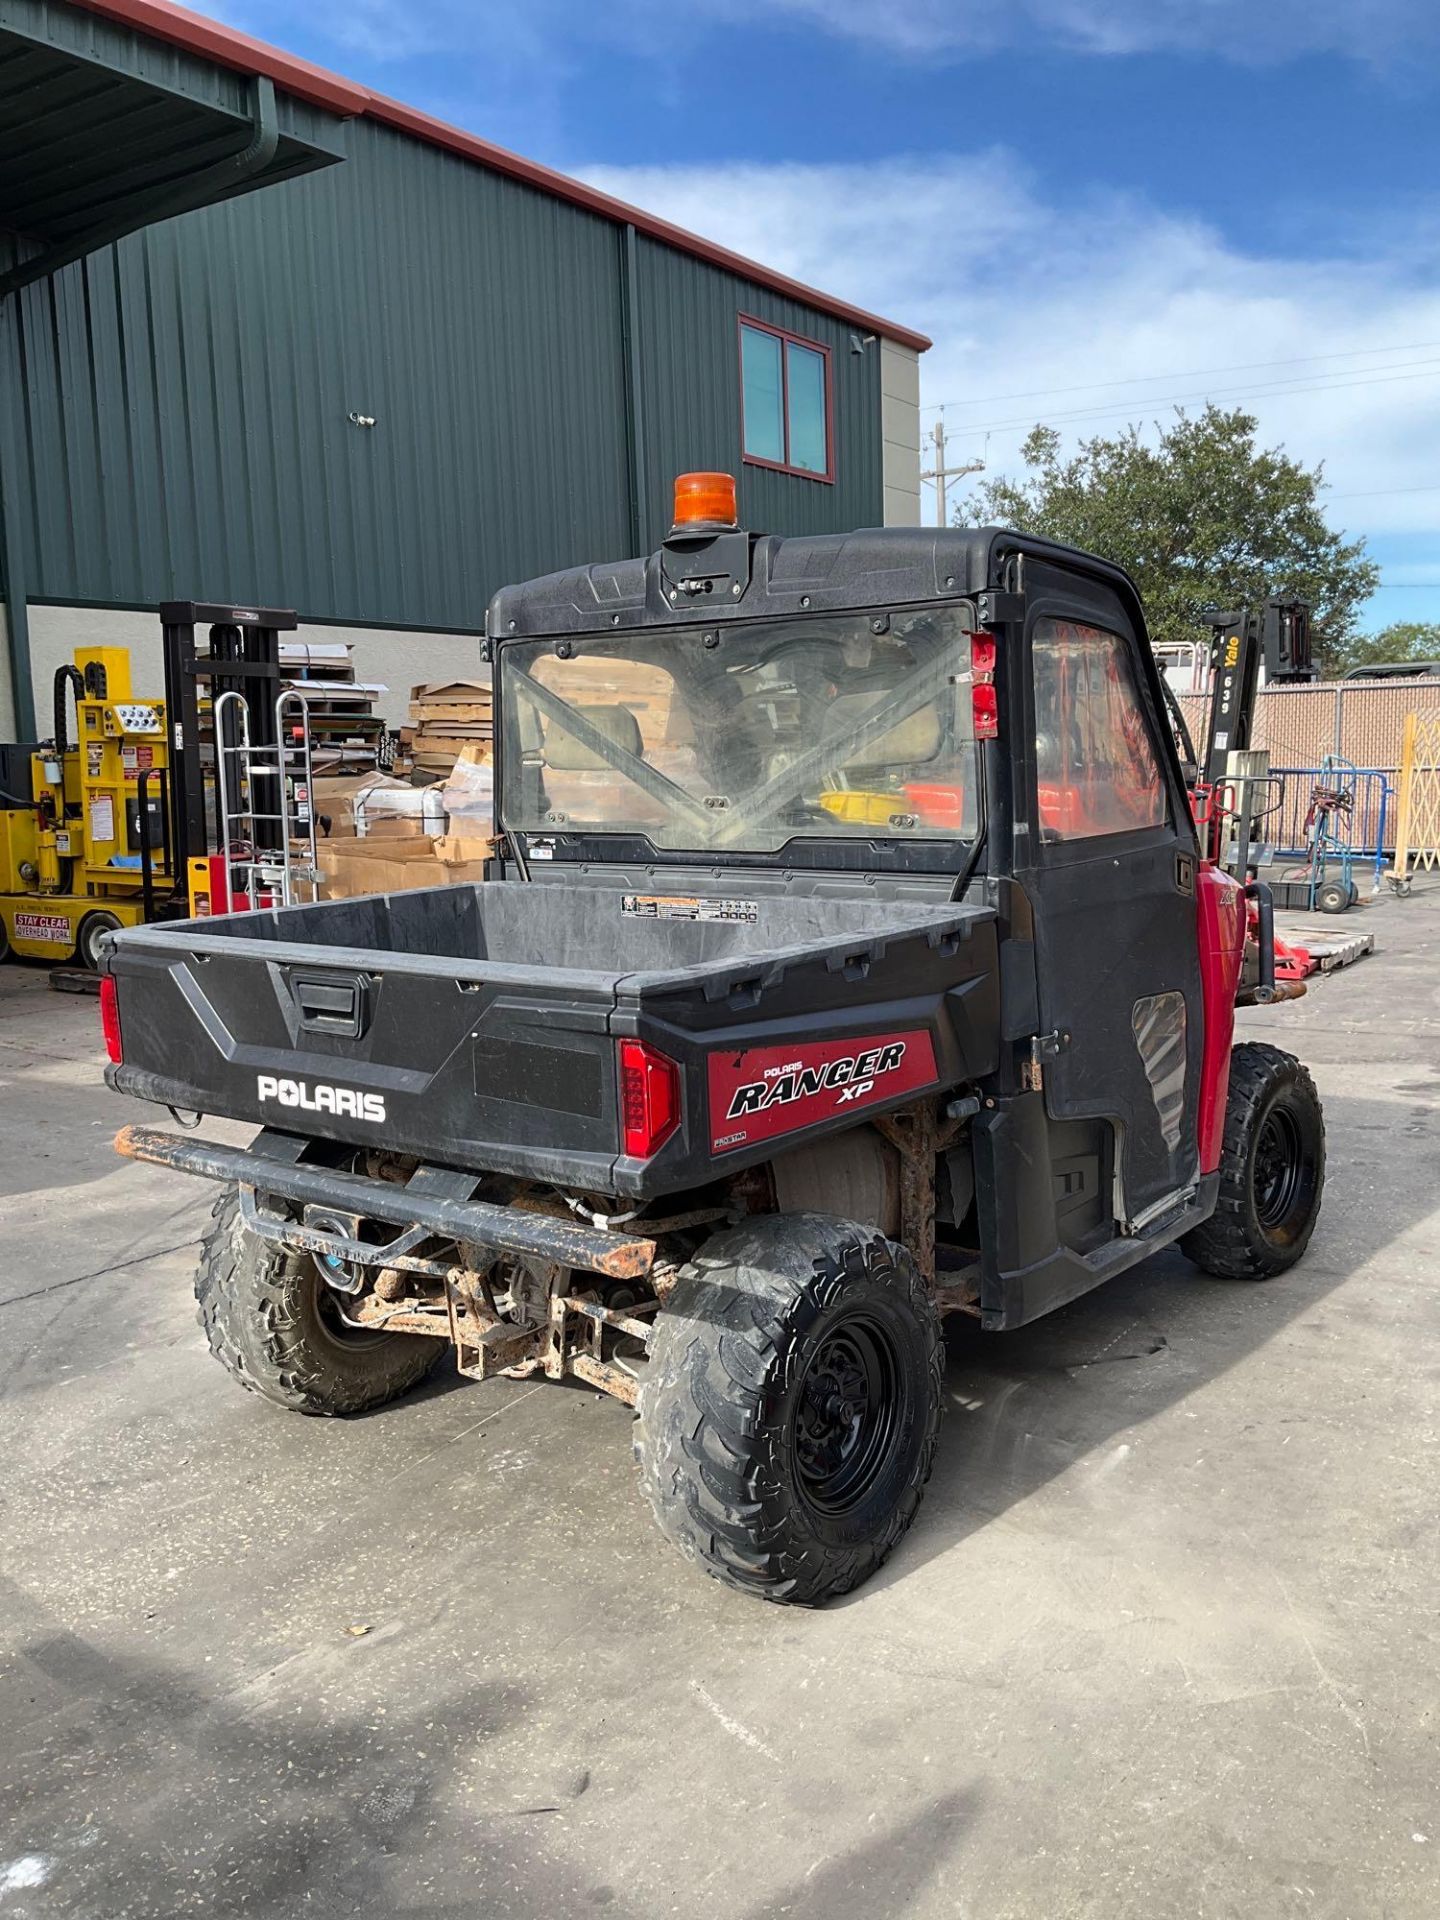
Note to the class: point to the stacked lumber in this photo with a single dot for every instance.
(445, 717)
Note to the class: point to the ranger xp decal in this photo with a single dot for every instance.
(773, 1090)
(345, 1102)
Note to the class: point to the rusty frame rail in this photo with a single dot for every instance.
(919, 1134)
(566, 1243)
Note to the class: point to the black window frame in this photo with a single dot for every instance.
(1031, 848)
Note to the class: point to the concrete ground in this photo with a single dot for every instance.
(1163, 1640)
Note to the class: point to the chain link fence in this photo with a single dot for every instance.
(1297, 726)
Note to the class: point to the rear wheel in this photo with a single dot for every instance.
(1335, 896)
(1272, 1169)
(274, 1324)
(790, 1407)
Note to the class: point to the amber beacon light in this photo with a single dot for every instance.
(705, 500)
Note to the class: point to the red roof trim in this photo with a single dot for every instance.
(229, 48)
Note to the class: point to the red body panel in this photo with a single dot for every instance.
(1221, 912)
(767, 1091)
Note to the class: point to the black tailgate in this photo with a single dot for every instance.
(487, 1065)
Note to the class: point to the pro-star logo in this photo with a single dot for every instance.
(761, 1092)
(854, 1074)
(346, 1103)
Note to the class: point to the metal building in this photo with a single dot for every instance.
(267, 336)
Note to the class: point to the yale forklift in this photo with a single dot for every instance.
(78, 816)
(1234, 790)
(122, 820)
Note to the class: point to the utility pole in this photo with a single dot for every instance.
(940, 473)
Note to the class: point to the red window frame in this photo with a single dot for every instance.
(784, 336)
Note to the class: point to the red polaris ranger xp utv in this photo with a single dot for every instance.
(850, 959)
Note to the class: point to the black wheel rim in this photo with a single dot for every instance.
(1279, 1176)
(330, 1321)
(847, 1413)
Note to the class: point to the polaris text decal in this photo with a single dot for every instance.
(766, 1091)
(346, 1103)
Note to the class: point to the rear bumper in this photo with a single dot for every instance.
(537, 1236)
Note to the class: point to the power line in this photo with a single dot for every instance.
(1301, 385)
(1194, 373)
(1278, 391)
(1378, 493)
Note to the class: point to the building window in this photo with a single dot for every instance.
(785, 401)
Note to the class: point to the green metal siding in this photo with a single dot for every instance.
(92, 113)
(182, 399)
(116, 51)
(690, 360)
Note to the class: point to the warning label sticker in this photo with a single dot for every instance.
(687, 906)
(53, 927)
(102, 818)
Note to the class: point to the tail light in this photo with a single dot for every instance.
(984, 703)
(649, 1098)
(110, 1019)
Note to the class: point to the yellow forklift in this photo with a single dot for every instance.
(86, 827)
(115, 823)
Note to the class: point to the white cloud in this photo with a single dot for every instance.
(1030, 299)
(1376, 31)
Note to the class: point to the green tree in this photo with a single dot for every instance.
(1401, 640)
(1202, 518)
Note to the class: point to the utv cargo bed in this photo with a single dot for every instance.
(478, 1027)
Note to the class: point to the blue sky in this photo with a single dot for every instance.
(1097, 205)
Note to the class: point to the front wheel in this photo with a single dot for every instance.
(93, 930)
(1272, 1169)
(788, 1418)
(275, 1326)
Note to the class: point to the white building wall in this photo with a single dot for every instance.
(8, 728)
(396, 659)
(900, 421)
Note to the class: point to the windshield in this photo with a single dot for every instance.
(746, 736)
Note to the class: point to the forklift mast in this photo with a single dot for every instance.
(238, 651)
(1277, 634)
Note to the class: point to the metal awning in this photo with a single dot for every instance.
(104, 129)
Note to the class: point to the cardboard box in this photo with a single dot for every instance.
(469, 794)
(395, 864)
(461, 857)
(335, 795)
(445, 692)
(455, 714)
(349, 867)
(397, 826)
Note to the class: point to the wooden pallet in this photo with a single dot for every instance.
(1327, 949)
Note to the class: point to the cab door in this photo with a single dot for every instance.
(1112, 881)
